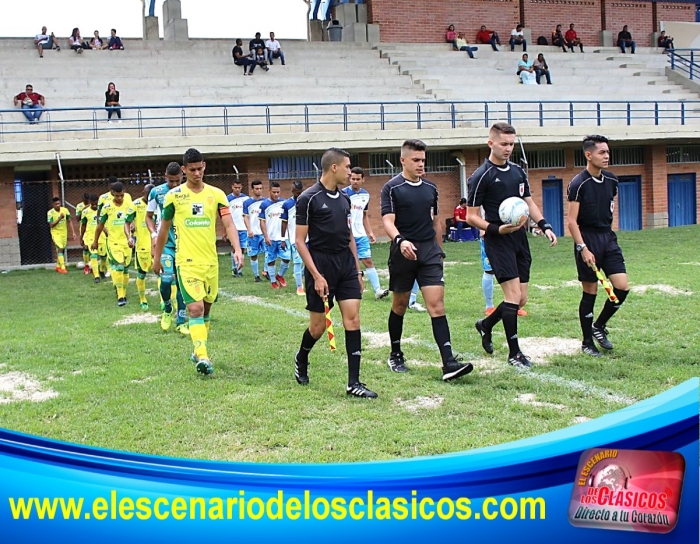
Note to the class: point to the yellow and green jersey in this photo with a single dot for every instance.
(113, 217)
(89, 218)
(60, 231)
(136, 214)
(107, 197)
(79, 210)
(194, 221)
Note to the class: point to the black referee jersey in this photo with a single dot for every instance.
(491, 184)
(414, 203)
(327, 214)
(596, 197)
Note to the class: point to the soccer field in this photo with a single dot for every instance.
(75, 367)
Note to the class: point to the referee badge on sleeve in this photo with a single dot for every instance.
(521, 188)
(612, 206)
(349, 221)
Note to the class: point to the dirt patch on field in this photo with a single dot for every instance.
(374, 340)
(420, 403)
(493, 365)
(152, 293)
(18, 386)
(529, 400)
(383, 273)
(144, 380)
(662, 288)
(135, 319)
(539, 349)
(257, 301)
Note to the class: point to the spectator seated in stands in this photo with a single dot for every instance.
(239, 59)
(541, 69)
(112, 104)
(572, 39)
(624, 39)
(517, 38)
(255, 43)
(664, 41)
(45, 41)
(96, 42)
(32, 104)
(526, 71)
(76, 42)
(261, 59)
(462, 44)
(459, 218)
(558, 38)
(488, 36)
(274, 49)
(115, 42)
(451, 36)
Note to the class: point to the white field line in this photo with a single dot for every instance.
(257, 301)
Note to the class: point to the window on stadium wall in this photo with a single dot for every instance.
(380, 164)
(619, 156)
(540, 159)
(676, 154)
(298, 167)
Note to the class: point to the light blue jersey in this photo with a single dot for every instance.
(156, 198)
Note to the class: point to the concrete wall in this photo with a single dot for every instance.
(542, 17)
(637, 15)
(685, 35)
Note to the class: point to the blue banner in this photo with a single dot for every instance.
(516, 492)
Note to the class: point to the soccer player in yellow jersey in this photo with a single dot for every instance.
(79, 217)
(59, 219)
(113, 217)
(141, 241)
(107, 197)
(88, 226)
(192, 209)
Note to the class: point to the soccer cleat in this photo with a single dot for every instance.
(265, 275)
(397, 363)
(275, 285)
(358, 389)
(601, 335)
(590, 349)
(204, 366)
(489, 311)
(183, 329)
(86, 270)
(519, 361)
(58, 269)
(97, 280)
(166, 320)
(234, 274)
(194, 358)
(144, 306)
(107, 274)
(300, 291)
(121, 302)
(257, 279)
(454, 369)
(381, 293)
(416, 307)
(521, 312)
(486, 341)
(301, 371)
(281, 280)
(63, 271)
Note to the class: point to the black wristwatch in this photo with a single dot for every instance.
(580, 247)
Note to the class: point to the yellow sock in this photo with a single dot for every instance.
(61, 262)
(117, 280)
(103, 265)
(95, 266)
(125, 280)
(86, 257)
(141, 287)
(161, 298)
(173, 293)
(198, 333)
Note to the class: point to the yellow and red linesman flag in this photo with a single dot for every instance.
(329, 324)
(606, 284)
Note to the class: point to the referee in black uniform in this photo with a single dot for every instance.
(332, 268)
(409, 206)
(506, 245)
(591, 196)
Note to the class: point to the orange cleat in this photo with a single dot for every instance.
(489, 311)
(522, 313)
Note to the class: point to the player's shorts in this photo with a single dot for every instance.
(275, 251)
(119, 255)
(296, 258)
(363, 248)
(340, 272)
(243, 239)
(144, 260)
(60, 242)
(608, 255)
(509, 255)
(256, 245)
(485, 264)
(427, 270)
(198, 282)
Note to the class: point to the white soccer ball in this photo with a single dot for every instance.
(80, 264)
(512, 211)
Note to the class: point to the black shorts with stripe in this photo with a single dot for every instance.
(340, 272)
(509, 255)
(427, 269)
(608, 255)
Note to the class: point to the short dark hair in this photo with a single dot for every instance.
(462, 200)
(297, 184)
(86, 196)
(117, 187)
(29, 85)
(173, 169)
(332, 156)
(256, 183)
(192, 155)
(149, 186)
(358, 170)
(237, 182)
(502, 128)
(414, 145)
(518, 26)
(257, 34)
(274, 184)
(55, 199)
(94, 198)
(590, 141)
(112, 180)
(114, 30)
(239, 41)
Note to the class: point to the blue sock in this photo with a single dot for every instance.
(283, 268)
(298, 268)
(165, 292)
(254, 267)
(181, 308)
(487, 288)
(414, 294)
(271, 272)
(373, 277)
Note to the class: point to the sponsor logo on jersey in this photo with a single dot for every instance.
(191, 222)
(197, 209)
(521, 189)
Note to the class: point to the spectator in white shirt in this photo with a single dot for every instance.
(517, 38)
(45, 41)
(274, 49)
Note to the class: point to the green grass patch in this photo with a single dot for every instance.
(133, 387)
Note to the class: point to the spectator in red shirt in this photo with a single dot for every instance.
(488, 36)
(459, 218)
(451, 36)
(572, 39)
(32, 104)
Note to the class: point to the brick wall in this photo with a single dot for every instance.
(675, 12)
(637, 15)
(542, 16)
(9, 240)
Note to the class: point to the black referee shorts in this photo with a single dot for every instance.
(427, 270)
(340, 272)
(509, 255)
(608, 255)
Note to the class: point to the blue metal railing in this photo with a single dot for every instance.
(686, 61)
(232, 119)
